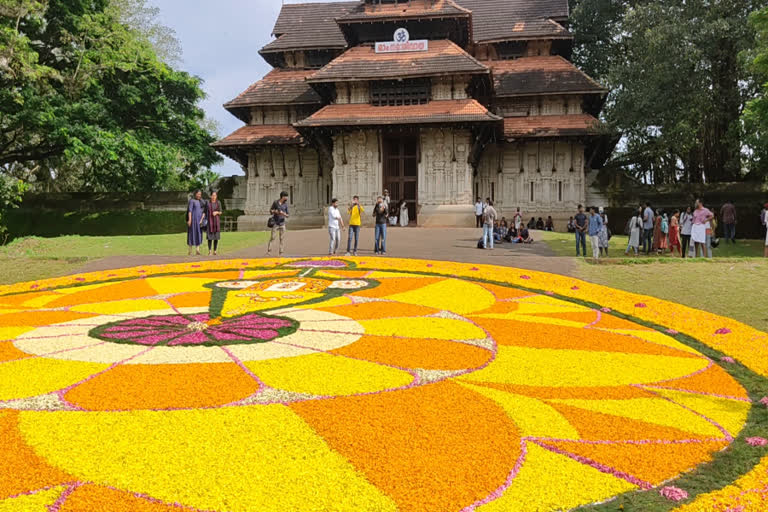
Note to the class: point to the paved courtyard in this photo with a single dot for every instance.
(448, 244)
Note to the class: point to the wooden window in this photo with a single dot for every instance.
(317, 59)
(401, 92)
(512, 50)
(560, 191)
(291, 193)
(493, 191)
(327, 194)
(532, 193)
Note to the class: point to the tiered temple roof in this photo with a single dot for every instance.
(550, 126)
(540, 75)
(504, 20)
(434, 112)
(423, 9)
(363, 63)
(309, 26)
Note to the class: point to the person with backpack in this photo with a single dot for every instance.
(686, 227)
(660, 242)
(276, 223)
(674, 234)
(489, 219)
(605, 233)
(634, 230)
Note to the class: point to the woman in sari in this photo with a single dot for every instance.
(213, 213)
(195, 222)
(404, 220)
(674, 234)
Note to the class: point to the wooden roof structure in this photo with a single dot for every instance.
(435, 112)
(363, 63)
(531, 76)
(504, 20)
(550, 126)
(309, 26)
(423, 9)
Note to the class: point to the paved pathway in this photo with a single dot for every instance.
(449, 244)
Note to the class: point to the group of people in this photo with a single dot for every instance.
(690, 233)
(203, 216)
(355, 212)
(592, 224)
(497, 230)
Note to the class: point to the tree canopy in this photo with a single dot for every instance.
(87, 102)
(680, 76)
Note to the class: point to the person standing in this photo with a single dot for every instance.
(356, 212)
(635, 229)
(335, 225)
(387, 201)
(648, 223)
(489, 220)
(518, 220)
(728, 216)
(765, 223)
(195, 216)
(686, 226)
(660, 231)
(279, 213)
(580, 223)
(213, 212)
(404, 220)
(701, 222)
(381, 213)
(595, 226)
(479, 207)
(603, 236)
(674, 234)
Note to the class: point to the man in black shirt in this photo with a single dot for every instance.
(380, 211)
(279, 213)
(580, 222)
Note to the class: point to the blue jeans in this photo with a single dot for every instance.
(730, 232)
(487, 236)
(647, 240)
(381, 238)
(356, 231)
(581, 241)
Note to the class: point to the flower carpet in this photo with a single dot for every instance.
(372, 385)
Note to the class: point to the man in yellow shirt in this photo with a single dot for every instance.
(356, 211)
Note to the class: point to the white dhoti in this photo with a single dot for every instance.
(699, 233)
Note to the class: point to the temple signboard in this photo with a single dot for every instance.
(402, 43)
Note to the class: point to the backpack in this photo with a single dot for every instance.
(664, 226)
(481, 244)
(628, 227)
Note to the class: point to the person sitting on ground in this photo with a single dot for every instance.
(511, 235)
(525, 237)
(498, 232)
(571, 225)
(503, 223)
(532, 223)
(550, 225)
(540, 224)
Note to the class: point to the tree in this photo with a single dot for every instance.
(756, 114)
(144, 20)
(85, 95)
(678, 84)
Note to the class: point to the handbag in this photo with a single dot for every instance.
(271, 222)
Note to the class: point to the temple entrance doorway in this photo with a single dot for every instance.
(401, 172)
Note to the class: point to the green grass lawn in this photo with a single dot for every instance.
(32, 258)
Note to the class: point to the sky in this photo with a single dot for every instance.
(221, 41)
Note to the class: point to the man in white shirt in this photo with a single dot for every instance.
(479, 207)
(335, 225)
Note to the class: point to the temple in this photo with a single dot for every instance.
(437, 101)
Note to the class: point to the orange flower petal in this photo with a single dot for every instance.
(88, 498)
(714, 380)
(10, 353)
(378, 310)
(392, 286)
(135, 289)
(22, 469)
(191, 300)
(41, 318)
(653, 463)
(541, 335)
(429, 354)
(505, 293)
(169, 386)
(582, 393)
(596, 426)
(414, 447)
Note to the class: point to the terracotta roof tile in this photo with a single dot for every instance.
(504, 20)
(363, 63)
(260, 135)
(395, 12)
(449, 111)
(279, 87)
(540, 75)
(550, 126)
(311, 25)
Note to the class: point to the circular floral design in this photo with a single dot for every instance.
(195, 330)
(250, 386)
